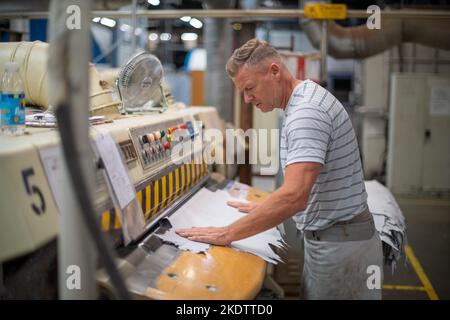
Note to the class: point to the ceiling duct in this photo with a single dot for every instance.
(361, 42)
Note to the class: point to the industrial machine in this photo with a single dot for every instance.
(29, 194)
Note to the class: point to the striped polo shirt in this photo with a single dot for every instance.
(316, 128)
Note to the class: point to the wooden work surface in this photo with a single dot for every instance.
(222, 274)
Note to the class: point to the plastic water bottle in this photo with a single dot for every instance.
(12, 101)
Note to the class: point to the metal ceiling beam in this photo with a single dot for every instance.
(256, 13)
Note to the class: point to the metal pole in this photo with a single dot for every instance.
(246, 110)
(324, 54)
(68, 61)
(134, 22)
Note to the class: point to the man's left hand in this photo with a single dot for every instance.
(214, 235)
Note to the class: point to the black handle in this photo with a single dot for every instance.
(427, 134)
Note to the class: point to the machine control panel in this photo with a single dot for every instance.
(154, 143)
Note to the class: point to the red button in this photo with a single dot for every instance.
(166, 145)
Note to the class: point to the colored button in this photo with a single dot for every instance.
(180, 126)
(143, 139)
(166, 145)
(150, 137)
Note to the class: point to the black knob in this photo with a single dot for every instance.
(143, 139)
(427, 134)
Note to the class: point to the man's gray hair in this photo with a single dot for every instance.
(251, 53)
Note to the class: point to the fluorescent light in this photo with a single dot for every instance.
(108, 22)
(185, 18)
(153, 2)
(96, 19)
(165, 36)
(196, 23)
(268, 3)
(125, 27)
(153, 36)
(189, 36)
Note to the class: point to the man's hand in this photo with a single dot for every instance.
(213, 235)
(245, 207)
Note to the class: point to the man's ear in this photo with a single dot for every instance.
(275, 70)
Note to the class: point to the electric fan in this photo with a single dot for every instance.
(137, 82)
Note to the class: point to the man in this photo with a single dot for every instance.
(323, 187)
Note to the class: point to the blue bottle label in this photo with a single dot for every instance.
(12, 109)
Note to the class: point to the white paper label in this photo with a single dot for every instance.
(53, 163)
(440, 100)
(115, 169)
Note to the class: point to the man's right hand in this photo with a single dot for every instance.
(245, 207)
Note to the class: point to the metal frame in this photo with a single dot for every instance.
(255, 13)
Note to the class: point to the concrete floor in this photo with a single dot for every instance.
(424, 274)
(428, 231)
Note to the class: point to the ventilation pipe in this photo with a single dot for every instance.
(361, 42)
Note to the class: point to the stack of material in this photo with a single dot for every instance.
(209, 209)
(389, 221)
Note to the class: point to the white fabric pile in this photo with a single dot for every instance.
(389, 221)
(210, 209)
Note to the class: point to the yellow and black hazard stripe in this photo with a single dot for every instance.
(110, 220)
(159, 193)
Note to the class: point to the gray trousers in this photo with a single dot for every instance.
(344, 261)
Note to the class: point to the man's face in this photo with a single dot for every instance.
(258, 86)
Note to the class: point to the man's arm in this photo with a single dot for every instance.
(286, 201)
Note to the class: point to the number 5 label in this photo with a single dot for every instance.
(39, 207)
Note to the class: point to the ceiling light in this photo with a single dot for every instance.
(165, 36)
(108, 22)
(189, 36)
(125, 27)
(153, 36)
(268, 3)
(153, 2)
(96, 19)
(185, 18)
(196, 23)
